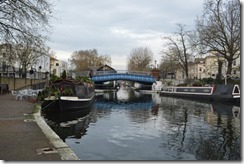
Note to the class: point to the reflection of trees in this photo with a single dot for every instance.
(217, 140)
(223, 145)
(179, 121)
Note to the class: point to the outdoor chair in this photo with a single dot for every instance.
(26, 94)
(16, 95)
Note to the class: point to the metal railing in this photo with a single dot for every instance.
(121, 72)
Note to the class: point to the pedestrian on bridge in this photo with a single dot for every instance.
(91, 73)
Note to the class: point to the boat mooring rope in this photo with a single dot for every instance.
(49, 104)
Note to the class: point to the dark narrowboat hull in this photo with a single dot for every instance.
(72, 105)
(50, 104)
(67, 104)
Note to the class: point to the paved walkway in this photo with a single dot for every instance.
(24, 135)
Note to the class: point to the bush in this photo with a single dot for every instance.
(233, 81)
(208, 80)
(68, 92)
(41, 95)
(188, 81)
(182, 85)
(197, 83)
(63, 75)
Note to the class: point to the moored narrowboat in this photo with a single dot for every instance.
(227, 93)
(69, 95)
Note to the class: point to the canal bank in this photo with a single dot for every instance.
(25, 136)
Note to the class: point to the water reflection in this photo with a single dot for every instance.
(210, 131)
(71, 124)
(128, 125)
(123, 95)
(135, 105)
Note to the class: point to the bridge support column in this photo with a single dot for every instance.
(114, 84)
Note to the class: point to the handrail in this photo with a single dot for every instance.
(120, 72)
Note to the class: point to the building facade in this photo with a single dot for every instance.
(57, 66)
(207, 67)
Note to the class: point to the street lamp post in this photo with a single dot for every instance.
(32, 73)
(40, 67)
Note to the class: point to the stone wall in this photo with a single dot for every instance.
(19, 83)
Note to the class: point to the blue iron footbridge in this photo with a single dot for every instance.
(140, 77)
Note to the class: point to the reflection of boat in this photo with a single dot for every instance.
(219, 107)
(59, 116)
(68, 124)
(227, 93)
(68, 95)
(225, 108)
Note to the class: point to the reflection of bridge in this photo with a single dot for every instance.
(140, 77)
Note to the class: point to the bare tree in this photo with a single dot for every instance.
(219, 28)
(180, 47)
(27, 57)
(139, 59)
(168, 66)
(84, 59)
(7, 57)
(25, 18)
(7, 54)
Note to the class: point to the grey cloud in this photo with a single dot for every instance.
(86, 24)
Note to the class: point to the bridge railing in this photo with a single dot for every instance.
(121, 72)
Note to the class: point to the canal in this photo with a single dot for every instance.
(128, 125)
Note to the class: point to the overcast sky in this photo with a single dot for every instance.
(115, 27)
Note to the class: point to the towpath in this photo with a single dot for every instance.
(24, 136)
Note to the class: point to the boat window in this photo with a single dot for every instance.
(91, 90)
(81, 91)
(236, 90)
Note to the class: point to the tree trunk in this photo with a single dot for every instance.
(220, 64)
(186, 70)
(20, 72)
(229, 67)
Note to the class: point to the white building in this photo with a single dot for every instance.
(58, 66)
(41, 67)
(208, 68)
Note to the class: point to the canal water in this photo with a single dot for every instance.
(128, 125)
